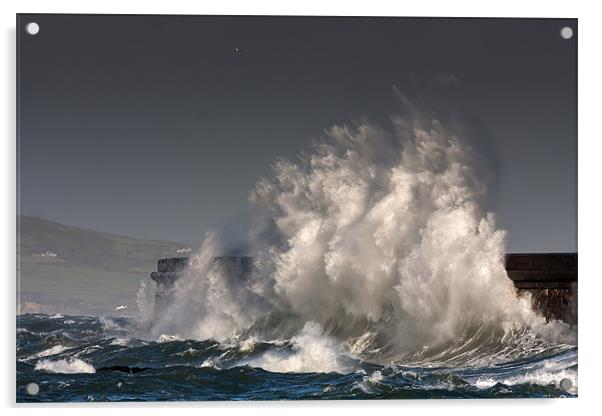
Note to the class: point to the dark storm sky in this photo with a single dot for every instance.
(153, 127)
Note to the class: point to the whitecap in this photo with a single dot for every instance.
(312, 352)
(65, 366)
(375, 377)
(212, 362)
(168, 338)
(57, 349)
(119, 341)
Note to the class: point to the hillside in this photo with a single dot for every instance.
(69, 269)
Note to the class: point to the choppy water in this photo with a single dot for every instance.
(78, 358)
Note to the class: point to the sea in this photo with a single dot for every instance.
(95, 359)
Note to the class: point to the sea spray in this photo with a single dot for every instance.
(376, 236)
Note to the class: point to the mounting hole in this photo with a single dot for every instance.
(32, 28)
(32, 389)
(566, 384)
(566, 32)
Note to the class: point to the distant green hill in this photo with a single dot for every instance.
(76, 270)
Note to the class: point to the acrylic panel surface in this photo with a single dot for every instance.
(260, 208)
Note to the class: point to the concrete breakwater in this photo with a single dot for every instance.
(550, 278)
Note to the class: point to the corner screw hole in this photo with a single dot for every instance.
(566, 32)
(32, 28)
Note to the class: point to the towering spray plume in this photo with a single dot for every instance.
(376, 237)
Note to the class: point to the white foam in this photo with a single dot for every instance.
(212, 362)
(120, 341)
(543, 378)
(248, 344)
(551, 372)
(65, 366)
(375, 377)
(312, 352)
(168, 338)
(371, 226)
(57, 349)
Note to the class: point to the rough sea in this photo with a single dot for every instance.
(86, 359)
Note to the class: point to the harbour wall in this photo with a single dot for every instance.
(550, 279)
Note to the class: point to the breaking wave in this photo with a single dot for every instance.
(311, 352)
(371, 245)
(65, 366)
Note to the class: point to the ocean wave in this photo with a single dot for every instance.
(376, 236)
(311, 363)
(68, 366)
(310, 352)
(57, 349)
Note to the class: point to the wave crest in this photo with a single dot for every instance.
(69, 366)
(378, 237)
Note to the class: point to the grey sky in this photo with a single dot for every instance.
(151, 126)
